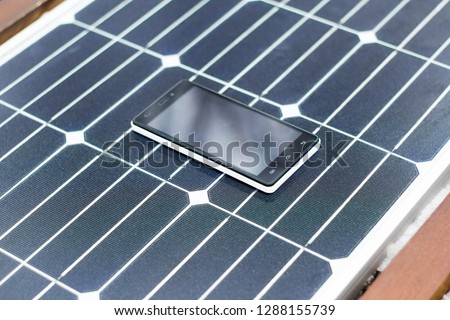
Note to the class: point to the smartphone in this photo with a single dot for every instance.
(246, 144)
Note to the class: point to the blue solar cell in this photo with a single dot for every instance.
(186, 32)
(252, 46)
(25, 238)
(210, 262)
(94, 223)
(5, 113)
(165, 253)
(58, 293)
(343, 82)
(128, 15)
(217, 40)
(195, 176)
(445, 56)
(43, 182)
(238, 96)
(23, 285)
(336, 10)
(376, 94)
(228, 193)
(433, 35)
(405, 21)
(371, 14)
(301, 280)
(35, 53)
(98, 101)
(28, 156)
(162, 19)
(103, 131)
(70, 89)
(309, 214)
(15, 131)
(303, 77)
(265, 208)
(126, 240)
(49, 73)
(430, 136)
(96, 10)
(406, 110)
(7, 264)
(255, 271)
(283, 56)
(365, 209)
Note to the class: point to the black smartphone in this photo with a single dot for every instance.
(247, 144)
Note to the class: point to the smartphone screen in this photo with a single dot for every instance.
(227, 132)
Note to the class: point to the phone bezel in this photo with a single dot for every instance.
(269, 176)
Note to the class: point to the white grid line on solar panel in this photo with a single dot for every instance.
(94, 55)
(186, 259)
(21, 143)
(289, 8)
(70, 222)
(326, 169)
(348, 55)
(380, 67)
(38, 271)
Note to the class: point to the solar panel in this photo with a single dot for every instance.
(91, 209)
